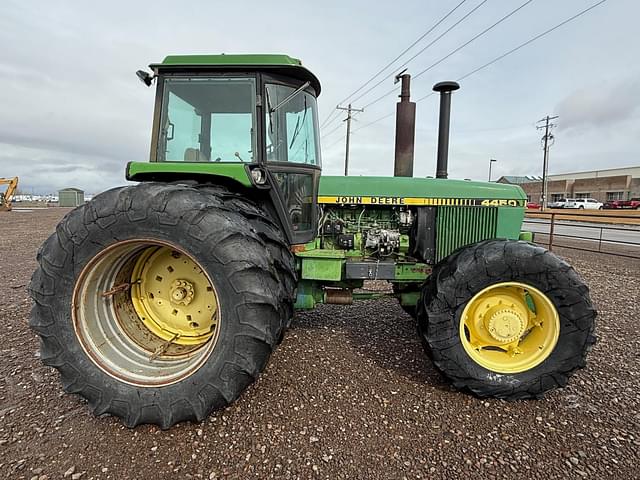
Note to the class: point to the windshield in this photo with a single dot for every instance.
(292, 134)
(208, 120)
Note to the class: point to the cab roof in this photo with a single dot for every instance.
(276, 63)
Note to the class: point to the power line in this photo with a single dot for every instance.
(335, 143)
(331, 117)
(486, 30)
(533, 39)
(456, 50)
(433, 27)
(348, 119)
(482, 67)
(405, 63)
(374, 121)
(326, 120)
(332, 130)
(500, 57)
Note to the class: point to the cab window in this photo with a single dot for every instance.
(291, 126)
(208, 120)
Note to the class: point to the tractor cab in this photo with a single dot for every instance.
(255, 115)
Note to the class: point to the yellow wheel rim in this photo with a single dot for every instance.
(173, 297)
(509, 327)
(124, 328)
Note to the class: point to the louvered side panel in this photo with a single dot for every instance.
(459, 226)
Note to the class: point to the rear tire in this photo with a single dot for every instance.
(271, 234)
(456, 283)
(215, 231)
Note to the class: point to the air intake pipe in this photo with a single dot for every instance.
(445, 89)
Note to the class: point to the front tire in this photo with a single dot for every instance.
(506, 319)
(160, 303)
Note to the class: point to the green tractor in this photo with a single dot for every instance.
(161, 301)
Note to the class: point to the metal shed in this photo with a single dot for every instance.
(70, 197)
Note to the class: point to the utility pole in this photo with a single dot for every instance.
(491, 160)
(547, 141)
(349, 111)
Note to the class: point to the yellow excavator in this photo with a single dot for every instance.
(7, 196)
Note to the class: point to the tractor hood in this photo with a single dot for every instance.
(417, 191)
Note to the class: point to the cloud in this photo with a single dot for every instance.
(600, 106)
(44, 171)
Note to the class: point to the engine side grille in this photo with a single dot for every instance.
(459, 226)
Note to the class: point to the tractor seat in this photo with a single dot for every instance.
(194, 155)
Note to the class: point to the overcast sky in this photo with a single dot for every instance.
(72, 112)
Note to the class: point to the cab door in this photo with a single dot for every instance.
(292, 155)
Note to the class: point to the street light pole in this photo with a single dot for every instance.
(491, 160)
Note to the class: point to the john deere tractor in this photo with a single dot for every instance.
(161, 301)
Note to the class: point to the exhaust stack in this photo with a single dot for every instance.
(405, 129)
(445, 89)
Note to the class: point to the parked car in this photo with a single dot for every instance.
(633, 203)
(533, 206)
(584, 204)
(558, 203)
(610, 204)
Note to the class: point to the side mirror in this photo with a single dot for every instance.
(145, 77)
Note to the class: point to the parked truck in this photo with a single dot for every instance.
(632, 203)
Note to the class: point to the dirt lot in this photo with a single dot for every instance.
(349, 394)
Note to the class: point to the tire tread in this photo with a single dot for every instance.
(458, 277)
(263, 272)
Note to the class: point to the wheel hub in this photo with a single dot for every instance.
(509, 327)
(181, 292)
(506, 325)
(173, 297)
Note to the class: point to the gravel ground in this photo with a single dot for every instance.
(349, 394)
